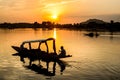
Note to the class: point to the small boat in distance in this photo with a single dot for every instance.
(91, 34)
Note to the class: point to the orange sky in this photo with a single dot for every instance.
(66, 11)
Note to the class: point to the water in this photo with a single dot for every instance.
(93, 58)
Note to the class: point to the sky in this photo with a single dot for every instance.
(58, 11)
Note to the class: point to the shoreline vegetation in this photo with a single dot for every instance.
(89, 25)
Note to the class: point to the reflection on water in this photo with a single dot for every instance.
(93, 58)
(54, 35)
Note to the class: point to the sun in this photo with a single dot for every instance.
(54, 17)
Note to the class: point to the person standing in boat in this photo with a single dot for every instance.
(62, 51)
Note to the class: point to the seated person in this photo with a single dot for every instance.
(62, 51)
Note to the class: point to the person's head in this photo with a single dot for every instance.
(61, 47)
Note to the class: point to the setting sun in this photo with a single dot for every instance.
(54, 16)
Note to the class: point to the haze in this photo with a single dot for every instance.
(66, 11)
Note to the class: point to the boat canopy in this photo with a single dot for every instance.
(40, 42)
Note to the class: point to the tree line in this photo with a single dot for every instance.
(90, 26)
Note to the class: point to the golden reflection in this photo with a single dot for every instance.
(54, 33)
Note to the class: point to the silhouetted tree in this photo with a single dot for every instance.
(36, 24)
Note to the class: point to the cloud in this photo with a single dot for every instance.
(54, 3)
(12, 4)
(32, 4)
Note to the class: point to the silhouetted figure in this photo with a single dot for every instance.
(62, 51)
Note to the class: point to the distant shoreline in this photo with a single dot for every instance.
(89, 25)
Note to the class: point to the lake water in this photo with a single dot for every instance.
(92, 58)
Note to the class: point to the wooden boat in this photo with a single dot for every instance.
(22, 49)
(38, 54)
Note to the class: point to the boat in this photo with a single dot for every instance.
(37, 53)
(23, 49)
(91, 34)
